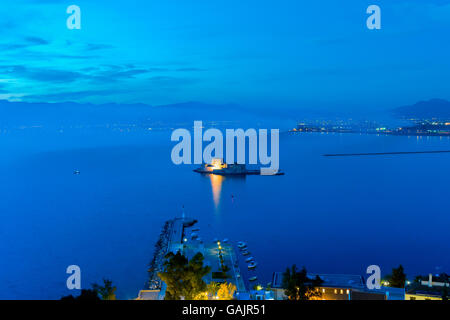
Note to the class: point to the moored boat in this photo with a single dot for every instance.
(241, 245)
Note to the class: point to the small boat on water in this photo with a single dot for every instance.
(253, 278)
(225, 240)
(76, 171)
(245, 253)
(194, 235)
(196, 229)
(241, 245)
(252, 265)
(249, 259)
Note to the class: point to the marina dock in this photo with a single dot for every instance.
(177, 235)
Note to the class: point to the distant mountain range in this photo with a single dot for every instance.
(72, 114)
(13, 114)
(434, 108)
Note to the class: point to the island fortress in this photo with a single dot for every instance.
(257, 146)
(217, 166)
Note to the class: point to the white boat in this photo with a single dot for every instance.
(252, 265)
(249, 259)
(253, 278)
(225, 240)
(245, 253)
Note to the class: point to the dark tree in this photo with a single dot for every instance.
(445, 293)
(398, 277)
(86, 295)
(107, 291)
(298, 286)
(184, 278)
(418, 279)
(173, 274)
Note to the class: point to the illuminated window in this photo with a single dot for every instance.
(342, 291)
(335, 291)
(348, 291)
(323, 290)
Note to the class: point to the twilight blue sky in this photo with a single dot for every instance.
(284, 53)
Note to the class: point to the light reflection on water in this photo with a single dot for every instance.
(216, 185)
(225, 198)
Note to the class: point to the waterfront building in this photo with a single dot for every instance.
(392, 293)
(149, 295)
(429, 287)
(341, 287)
(218, 166)
(261, 295)
(277, 286)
